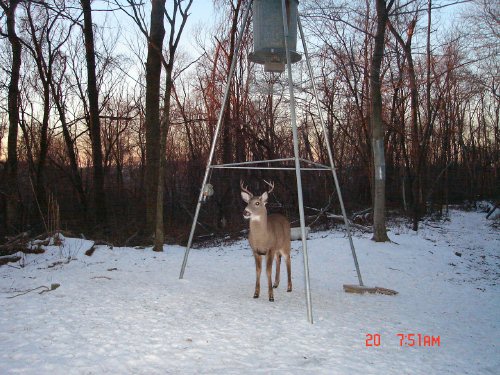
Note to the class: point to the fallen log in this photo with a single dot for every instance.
(9, 259)
(351, 224)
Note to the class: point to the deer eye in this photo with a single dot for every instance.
(257, 203)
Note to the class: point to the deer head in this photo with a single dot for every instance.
(256, 206)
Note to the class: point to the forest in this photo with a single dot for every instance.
(108, 109)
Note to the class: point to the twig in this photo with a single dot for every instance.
(52, 287)
(204, 226)
(38, 205)
(354, 225)
(5, 259)
(101, 277)
(47, 289)
(22, 235)
(102, 242)
(362, 212)
(321, 211)
(27, 291)
(492, 210)
(127, 241)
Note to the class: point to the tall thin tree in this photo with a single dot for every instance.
(10, 179)
(173, 43)
(94, 123)
(152, 120)
(377, 125)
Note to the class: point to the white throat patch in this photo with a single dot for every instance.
(256, 218)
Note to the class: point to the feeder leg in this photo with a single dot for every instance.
(297, 166)
(216, 134)
(330, 155)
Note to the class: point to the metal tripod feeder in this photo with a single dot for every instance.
(275, 49)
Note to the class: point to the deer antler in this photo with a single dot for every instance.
(245, 189)
(271, 184)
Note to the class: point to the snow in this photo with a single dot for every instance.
(124, 310)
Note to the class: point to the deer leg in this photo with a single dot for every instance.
(277, 276)
(258, 269)
(269, 270)
(289, 272)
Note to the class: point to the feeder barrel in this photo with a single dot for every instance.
(269, 44)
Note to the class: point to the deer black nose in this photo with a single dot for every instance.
(247, 214)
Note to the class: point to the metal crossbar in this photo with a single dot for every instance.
(258, 162)
(268, 168)
(248, 165)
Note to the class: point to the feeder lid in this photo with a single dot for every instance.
(273, 55)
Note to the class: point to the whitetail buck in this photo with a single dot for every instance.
(270, 236)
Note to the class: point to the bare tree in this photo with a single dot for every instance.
(10, 180)
(46, 38)
(416, 138)
(378, 133)
(95, 126)
(173, 43)
(152, 121)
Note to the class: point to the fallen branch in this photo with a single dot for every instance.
(90, 251)
(59, 262)
(101, 277)
(362, 212)
(102, 242)
(322, 210)
(9, 259)
(351, 224)
(127, 241)
(45, 289)
(14, 239)
(52, 287)
(37, 250)
(204, 226)
(14, 246)
(350, 288)
(492, 210)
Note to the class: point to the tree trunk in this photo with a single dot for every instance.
(416, 154)
(159, 228)
(378, 131)
(94, 123)
(10, 179)
(228, 127)
(173, 42)
(152, 120)
(44, 75)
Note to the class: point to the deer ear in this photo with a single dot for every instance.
(264, 197)
(245, 196)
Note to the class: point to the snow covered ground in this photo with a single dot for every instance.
(124, 311)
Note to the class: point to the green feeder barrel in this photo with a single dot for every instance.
(268, 35)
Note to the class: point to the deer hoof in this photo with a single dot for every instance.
(275, 286)
(271, 299)
(289, 290)
(255, 295)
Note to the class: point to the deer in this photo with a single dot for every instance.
(269, 236)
